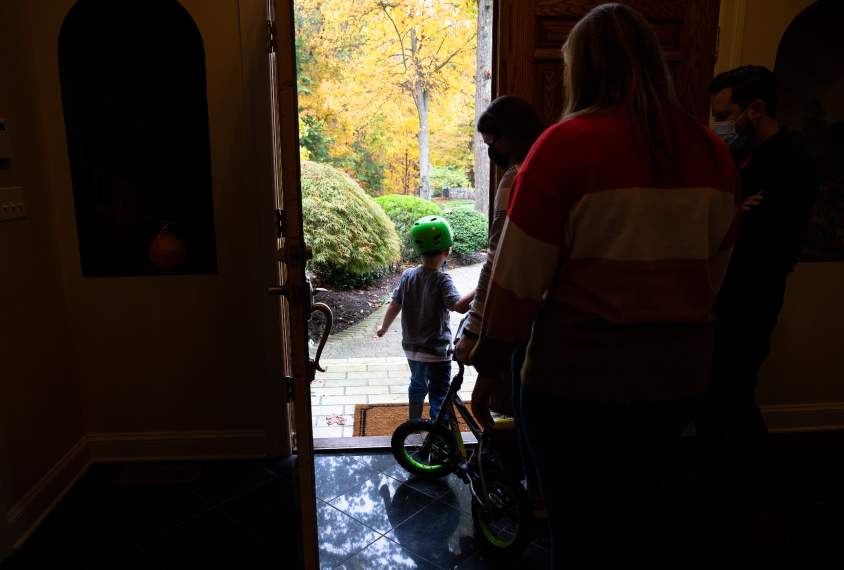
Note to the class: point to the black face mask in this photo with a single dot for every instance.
(498, 159)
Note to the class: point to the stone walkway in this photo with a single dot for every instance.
(361, 368)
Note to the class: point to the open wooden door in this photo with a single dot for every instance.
(531, 34)
(295, 290)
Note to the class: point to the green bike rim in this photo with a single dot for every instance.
(494, 540)
(423, 466)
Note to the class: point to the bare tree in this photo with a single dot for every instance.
(483, 76)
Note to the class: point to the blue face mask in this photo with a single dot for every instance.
(726, 131)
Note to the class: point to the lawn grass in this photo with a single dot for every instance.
(451, 204)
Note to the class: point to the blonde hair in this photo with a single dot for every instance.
(614, 55)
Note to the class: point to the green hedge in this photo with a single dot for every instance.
(404, 211)
(351, 236)
(471, 230)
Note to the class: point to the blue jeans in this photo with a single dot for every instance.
(599, 461)
(430, 379)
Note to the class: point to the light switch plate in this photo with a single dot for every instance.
(12, 206)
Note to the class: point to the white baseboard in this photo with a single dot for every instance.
(176, 446)
(797, 417)
(33, 508)
(804, 417)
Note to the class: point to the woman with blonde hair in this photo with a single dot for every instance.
(621, 223)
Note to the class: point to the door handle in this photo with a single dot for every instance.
(329, 321)
(296, 297)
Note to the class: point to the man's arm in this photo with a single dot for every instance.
(462, 305)
(392, 312)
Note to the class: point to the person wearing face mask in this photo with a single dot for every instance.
(509, 127)
(780, 182)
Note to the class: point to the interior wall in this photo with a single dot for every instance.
(140, 367)
(175, 353)
(765, 22)
(801, 385)
(40, 402)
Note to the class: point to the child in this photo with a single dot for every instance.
(425, 296)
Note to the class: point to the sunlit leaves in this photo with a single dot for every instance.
(358, 76)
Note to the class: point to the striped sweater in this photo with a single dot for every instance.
(615, 271)
(499, 216)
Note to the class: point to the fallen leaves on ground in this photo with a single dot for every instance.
(336, 419)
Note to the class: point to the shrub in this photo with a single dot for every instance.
(471, 230)
(349, 233)
(404, 211)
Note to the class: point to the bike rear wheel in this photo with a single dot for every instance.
(507, 527)
(407, 446)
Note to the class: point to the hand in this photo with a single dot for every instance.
(381, 330)
(752, 201)
(486, 388)
(463, 348)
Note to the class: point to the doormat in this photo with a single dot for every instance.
(383, 419)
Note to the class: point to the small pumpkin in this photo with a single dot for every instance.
(167, 251)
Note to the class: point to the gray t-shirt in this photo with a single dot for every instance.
(426, 296)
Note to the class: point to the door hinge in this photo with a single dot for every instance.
(289, 382)
(272, 39)
(717, 41)
(281, 225)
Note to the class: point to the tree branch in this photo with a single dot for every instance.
(443, 64)
(384, 7)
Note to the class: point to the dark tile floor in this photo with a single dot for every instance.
(371, 514)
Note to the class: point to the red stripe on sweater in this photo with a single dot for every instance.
(591, 154)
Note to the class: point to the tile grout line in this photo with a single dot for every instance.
(379, 533)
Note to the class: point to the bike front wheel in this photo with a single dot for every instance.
(506, 525)
(437, 459)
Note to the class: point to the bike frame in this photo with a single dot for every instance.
(468, 464)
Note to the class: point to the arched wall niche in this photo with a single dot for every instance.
(133, 90)
(810, 72)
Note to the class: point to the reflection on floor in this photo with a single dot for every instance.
(372, 508)
(371, 514)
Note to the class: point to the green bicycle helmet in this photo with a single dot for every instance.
(430, 234)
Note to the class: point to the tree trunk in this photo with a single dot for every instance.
(423, 99)
(483, 83)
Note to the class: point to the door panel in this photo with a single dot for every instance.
(532, 33)
(293, 253)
